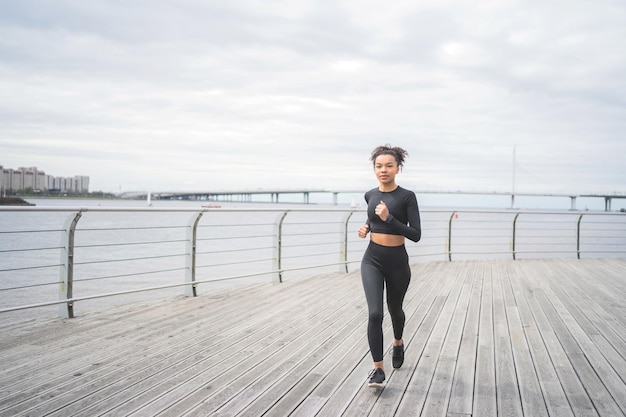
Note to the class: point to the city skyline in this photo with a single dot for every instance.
(35, 180)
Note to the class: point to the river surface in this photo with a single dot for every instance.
(124, 251)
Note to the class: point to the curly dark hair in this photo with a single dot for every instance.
(387, 149)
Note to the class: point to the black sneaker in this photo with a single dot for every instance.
(376, 378)
(397, 357)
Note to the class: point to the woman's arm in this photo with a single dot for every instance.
(412, 231)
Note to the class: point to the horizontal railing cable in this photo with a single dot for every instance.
(299, 239)
(143, 258)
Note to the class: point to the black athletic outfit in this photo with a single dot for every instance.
(388, 265)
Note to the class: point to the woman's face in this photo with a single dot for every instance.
(386, 167)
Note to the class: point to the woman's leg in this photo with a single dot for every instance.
(398, 279)
(373, 284)
(398, 274)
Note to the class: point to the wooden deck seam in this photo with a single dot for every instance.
(526, 338)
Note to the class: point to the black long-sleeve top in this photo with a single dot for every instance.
(404, 215)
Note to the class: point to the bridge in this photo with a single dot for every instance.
(274, 194)
(240, 195)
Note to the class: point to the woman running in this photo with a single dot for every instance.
(392, 216)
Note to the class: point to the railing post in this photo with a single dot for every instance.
(450, 236)
(66, 283)
(578, 235)
(278, 247)
(190, 271)
(343, 255)
(514, 237)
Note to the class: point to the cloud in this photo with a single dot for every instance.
(249, 94)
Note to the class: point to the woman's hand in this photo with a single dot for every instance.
(363, 230)
(382, 211)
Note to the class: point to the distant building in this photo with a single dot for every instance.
(29, 178)
(81, 183)
(5, 178)
(41, 182)
(17, 180)
(12, 180)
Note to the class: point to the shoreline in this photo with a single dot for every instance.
(14, 201)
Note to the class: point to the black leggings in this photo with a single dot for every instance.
(384, 265)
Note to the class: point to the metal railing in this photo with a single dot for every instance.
(106, 252)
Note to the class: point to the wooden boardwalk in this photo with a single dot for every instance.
(483, 338)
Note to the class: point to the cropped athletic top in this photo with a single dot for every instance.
(403, 210)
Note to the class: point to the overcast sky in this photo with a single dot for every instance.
(239, 94)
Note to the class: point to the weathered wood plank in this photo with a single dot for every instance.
(552, 392)
(577, 397)
(86, 335)
(139, 365)
(269, 360)
(437, 401)
(508, 390)
(533, 402)
(483, 338)
(413, 401)
(444, 344)
(614, 385)
(485, 403)
(462, 394)
(560, 321)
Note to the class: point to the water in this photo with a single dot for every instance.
(126, 251)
